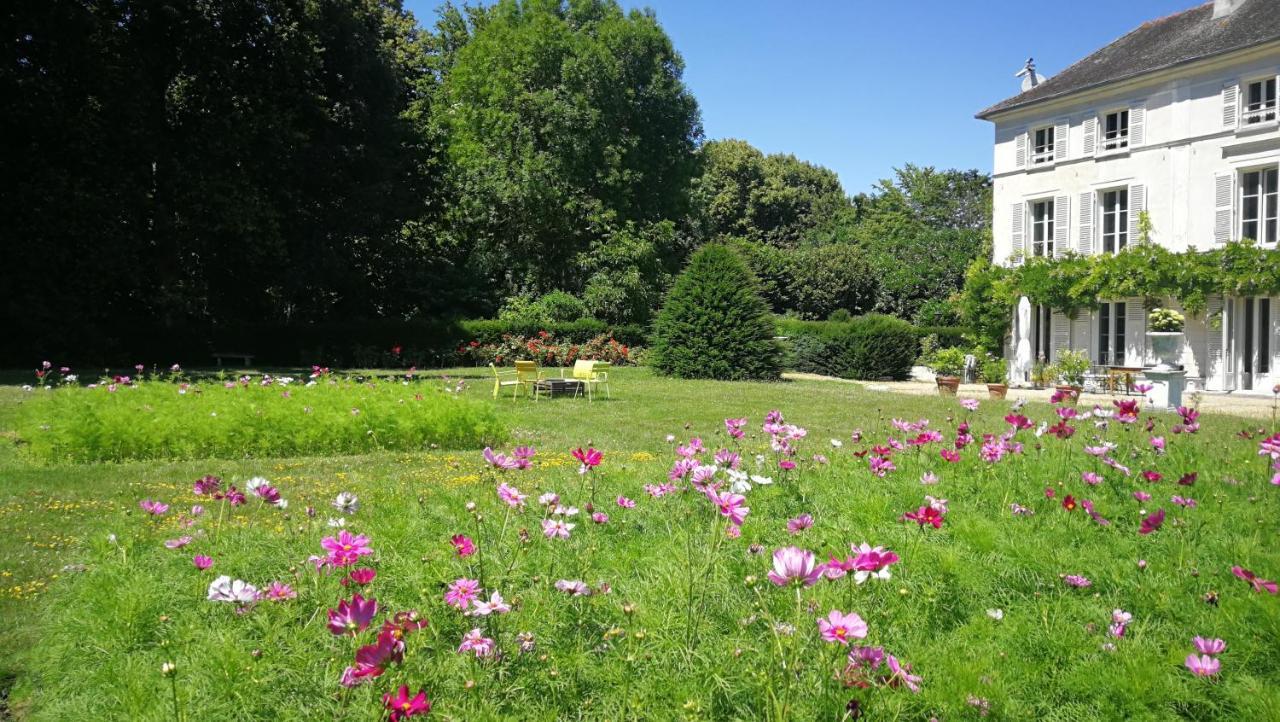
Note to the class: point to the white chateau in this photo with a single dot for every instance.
(1178, 118)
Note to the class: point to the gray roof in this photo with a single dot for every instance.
(1179, 38)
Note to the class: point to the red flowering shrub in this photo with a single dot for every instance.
(545, 349)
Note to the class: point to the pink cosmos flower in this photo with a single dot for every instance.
(552, 528)
(600, 517)
(786, 464)
(573, 587)
(1203, 666)
(1093, 514)
(1188, 479)
(346, 549)
(626, 503)
(352, 617)
(799, 524)
(1157, 443)
(925, 515)
(202, 562)
(154, 508)
(730, 505)
(1090, 478)
(402, 706)
(1259, 584)
(1152, 476)
(1077, 581)
(591, 458)
(900, 674)
(178, 543)
(1049, 492)
(969, 404)
(1209, 646)
(928, 478)
(501, 462)
(475, 642)
(279, 592)
(463, 546)
(839, 627)
(461, 592)
(949, 455)
(881, 465)
(735, 427)
(361, 576)
(206, 485)
(869, 561)
(728, 459)
(523, 456)
(511, 496)
(495, 605)
(1184, 502)
(792, 565)
(1152, 523)
(1141, 496)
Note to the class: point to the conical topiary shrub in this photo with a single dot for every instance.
(714, 324)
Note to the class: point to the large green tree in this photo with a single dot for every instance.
(564, 121)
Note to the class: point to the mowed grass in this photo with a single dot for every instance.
(88, 642)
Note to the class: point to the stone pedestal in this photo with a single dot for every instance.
(1166, 387)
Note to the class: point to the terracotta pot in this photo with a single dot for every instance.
(997, 391)
(947, 385)
(1071, 394)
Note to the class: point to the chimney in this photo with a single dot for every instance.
(1223, 8)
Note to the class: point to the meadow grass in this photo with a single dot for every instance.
(689, 627)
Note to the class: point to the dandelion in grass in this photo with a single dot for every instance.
(573, 587)
(463, 546)
(1203, 665)
(839, 628)
(202, 562)
(556, 528)
(461, 592)
(795, 566)
(352, 617)
(625, 503)
(402, 705)
(346, 548)
(1258, 583)
(237, 591)
(495, 605)
(346, 503)
(799, 524)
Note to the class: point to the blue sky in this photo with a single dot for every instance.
(861, 86)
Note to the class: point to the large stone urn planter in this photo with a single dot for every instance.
(1167, 347)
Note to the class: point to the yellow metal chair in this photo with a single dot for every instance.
(528, 374)
(590, 374)
(503, 378)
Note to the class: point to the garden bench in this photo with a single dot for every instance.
(245, 358)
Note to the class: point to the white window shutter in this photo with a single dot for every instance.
(1086, 223)
(1224, 194)
(1213, 345)
(1090, 134)
(1080, 333)
(1135, 331)
(1061, 223)
(1137, 125)
(1061, 330)
(1017, 216)
(1020, 151)
(1230, 105)
(1137, 204)
(1061, 139)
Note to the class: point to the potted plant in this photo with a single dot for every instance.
(1164, 329)
(1041, 373)
(947, 365)
(995, 372)
(1070, 370)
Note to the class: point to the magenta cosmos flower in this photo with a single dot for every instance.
(461, 592)
(500, 461)
(463, 545)
(799, 524)
(1152, 523)
(346, 549)
(556, 528)
(1203, 665)
(626, 503)
(1077, 581)
(869, 561)
(730, 505)
(925, 515)
(352, 617)
(154, 508)
(475, 641)
(591, 458)
(511, 496)
(1259, 584)
(403, 706)
(839, 627)
(1209, 646)
(202, 562)
(793, 565)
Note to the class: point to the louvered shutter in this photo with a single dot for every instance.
(1019, 244)
(1020, 151)
(1061, 224)
(1135, 331)
(1213, 342)
(1224, 193)
(1080, 333)
(1090, 135)
(1137, 204)
(1061, 140)
(1137, 125)
(1230, 105)
(1086, 223)
(1061, 329)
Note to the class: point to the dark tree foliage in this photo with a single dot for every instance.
(714, 323)
(174, 162)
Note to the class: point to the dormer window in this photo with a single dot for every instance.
(1259, 102)
(1042, 145)
(1115, 131)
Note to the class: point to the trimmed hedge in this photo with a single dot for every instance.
(870, 347)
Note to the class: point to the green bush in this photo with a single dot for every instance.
(553, 307)
(248, 418)
(948, 361)
(714, 323)
(866, 347)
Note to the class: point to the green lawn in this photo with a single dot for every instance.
(690, 626)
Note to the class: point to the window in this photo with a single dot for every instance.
(1259, 102)
(1258, 205)
(1115, 130)
(1115, 220)
(1042, 145)
(1111, 334)
(1042, 228)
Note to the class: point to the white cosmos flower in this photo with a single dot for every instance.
(224, 589)
(256, 483)
(996, 614)
(761, 480)
(837, 444)
(337, 523)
